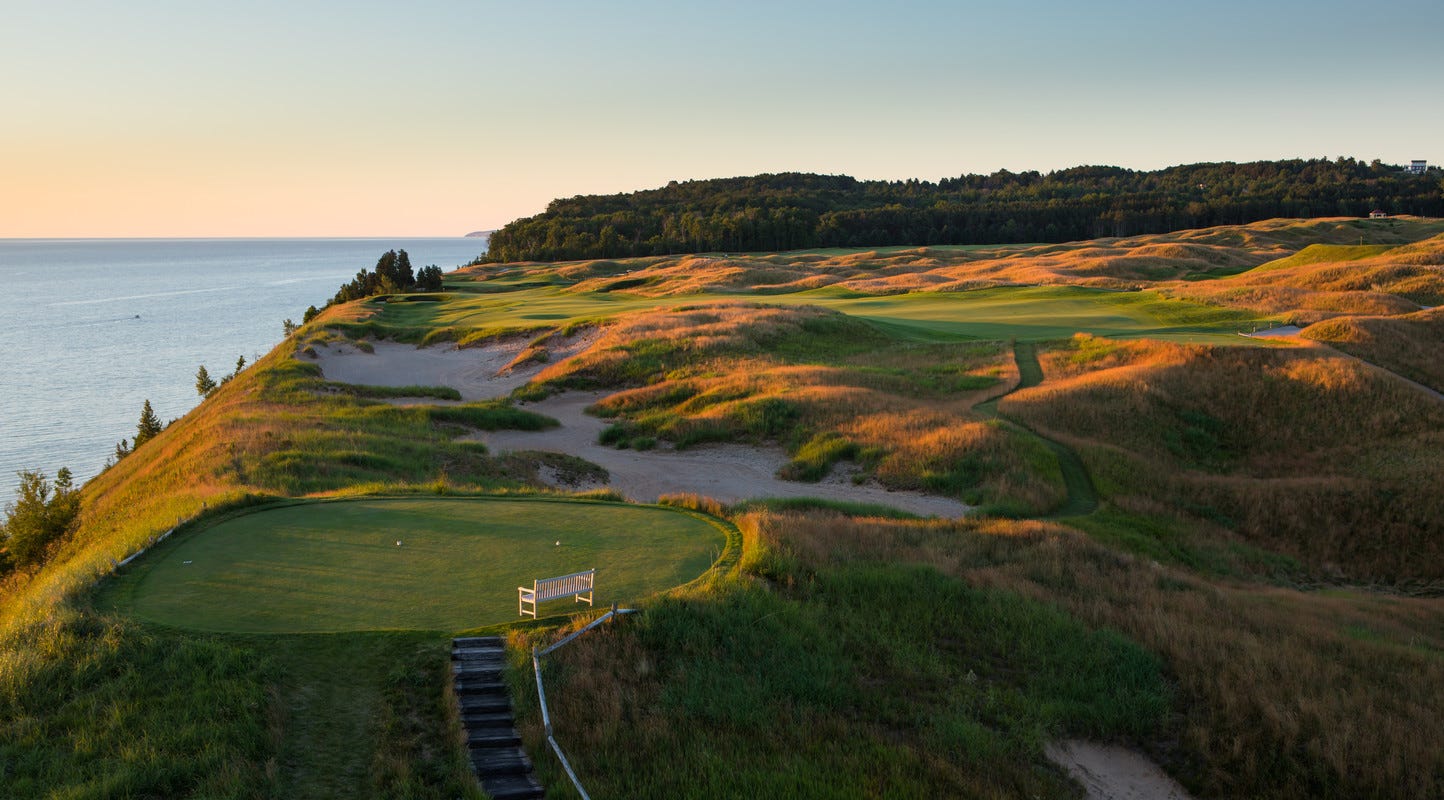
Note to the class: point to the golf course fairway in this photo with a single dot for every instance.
(433, 563)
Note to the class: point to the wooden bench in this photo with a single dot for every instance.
(544, 589)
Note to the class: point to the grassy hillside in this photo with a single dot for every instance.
(1313, 456)
(1409, 345)
(1254, 601)
(835, 640)
(1324, 281)
(94, 703)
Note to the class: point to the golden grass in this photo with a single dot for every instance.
(1411, 345)
(1313, 455)
(901, 412)
(1106, 263)
(1320, 283)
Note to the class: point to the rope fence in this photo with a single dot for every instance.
(536, 656)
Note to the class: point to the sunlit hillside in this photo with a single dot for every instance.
(1222, 551)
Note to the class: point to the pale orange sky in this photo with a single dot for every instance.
(439, 118)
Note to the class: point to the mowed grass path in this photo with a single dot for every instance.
(335, 566)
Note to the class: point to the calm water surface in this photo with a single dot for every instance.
(93, 328)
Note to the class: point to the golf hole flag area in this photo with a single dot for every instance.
(436, 563)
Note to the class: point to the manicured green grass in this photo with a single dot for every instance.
(1326, 253)
(1032, 313)
(1037, 313)
(336, 566)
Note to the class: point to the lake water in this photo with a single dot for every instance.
(93, 328)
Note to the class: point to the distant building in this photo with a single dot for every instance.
(1377, 214)
(1418, 166)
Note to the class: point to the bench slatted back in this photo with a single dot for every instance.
(578, 584)
(552, 588)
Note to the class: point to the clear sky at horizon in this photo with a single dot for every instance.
(160, 118)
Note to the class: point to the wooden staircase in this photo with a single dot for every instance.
(486, 717)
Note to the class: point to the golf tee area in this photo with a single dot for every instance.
(410, 563)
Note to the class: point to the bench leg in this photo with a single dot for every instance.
(588, 598)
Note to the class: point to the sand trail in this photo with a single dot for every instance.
(1110, 772)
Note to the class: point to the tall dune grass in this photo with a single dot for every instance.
(1411, 345)
(828, 388)
(1312, 455)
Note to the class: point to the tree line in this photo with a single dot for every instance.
(791, 211)
(392, 275)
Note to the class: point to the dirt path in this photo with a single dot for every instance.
(1109, 772)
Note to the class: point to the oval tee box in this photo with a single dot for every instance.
(336, 565)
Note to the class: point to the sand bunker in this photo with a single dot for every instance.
(1109, 772)
(727, 472)
(478, 373)
(1281, 332)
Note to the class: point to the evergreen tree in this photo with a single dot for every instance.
(401, 273)
(288, 328)
(428, 279)
(386, 268)
(122, 449)
(38, 518)
(204, 384)
(311, 313)
(65, 505)
(148, 427)
(240, 365)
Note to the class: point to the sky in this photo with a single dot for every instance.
(299, 118)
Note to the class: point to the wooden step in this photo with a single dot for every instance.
(481, 686)
(490, 761)
(485, 704)
(476, 720)
(474, 653)
(478, 641)
(474, 667)
(484, 700)
(513, 787)
(492, 737)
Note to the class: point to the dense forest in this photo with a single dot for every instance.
(797, 210)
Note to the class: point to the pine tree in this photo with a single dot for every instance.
(428, 279)
(65, 504)
(401, 273)
(38, 517)
(147, 428)
(204, 384)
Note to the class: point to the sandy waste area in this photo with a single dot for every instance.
(725, 472)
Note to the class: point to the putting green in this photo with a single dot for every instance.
(336, 566)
